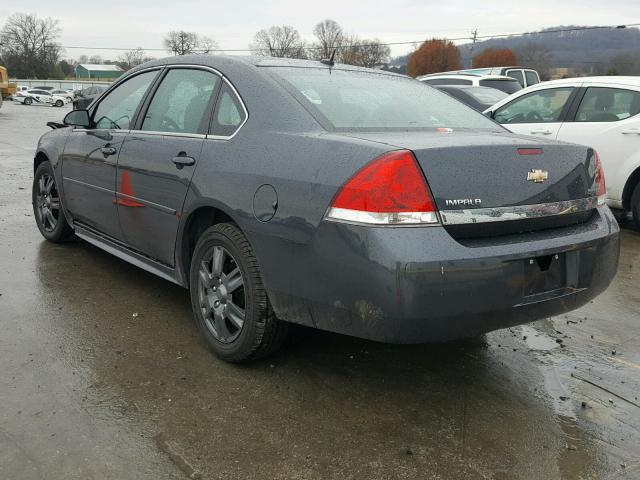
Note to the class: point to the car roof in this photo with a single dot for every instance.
(232, 63)
(613, 80)
(464, 74)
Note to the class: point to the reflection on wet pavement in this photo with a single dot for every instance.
(105, 376)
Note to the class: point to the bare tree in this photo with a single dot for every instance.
(372, 53)
(28, 45)
(536, 56)
(133, 58)
(83, 59)
(329, 36)
(206, 45)
(277, 41)
(95, 59)
(181, 42)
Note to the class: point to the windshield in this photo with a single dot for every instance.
(356, 100)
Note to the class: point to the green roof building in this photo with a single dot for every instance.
(96, 71)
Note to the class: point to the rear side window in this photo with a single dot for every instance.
(116, 110)
(507, 86)
(544, 106)
(608, 105)
(447, 81)
(517, 74)
(532, 77)
(364, 101)
(228, 115)
(180, 102)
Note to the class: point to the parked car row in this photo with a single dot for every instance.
(40, 97)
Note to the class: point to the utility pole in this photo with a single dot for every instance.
(474, 39)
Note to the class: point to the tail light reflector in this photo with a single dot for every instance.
(601, 188)
(390, 190)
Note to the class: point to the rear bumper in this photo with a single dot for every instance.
(413, 285)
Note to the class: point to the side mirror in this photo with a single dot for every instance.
(77, 118)
(489, 114)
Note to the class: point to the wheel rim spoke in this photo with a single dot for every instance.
(48, 185)
(50, 218)
(233, 280)
(206, 278)
(235, 314)
(218, 260)
(41, 189)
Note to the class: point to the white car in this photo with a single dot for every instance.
(601, 112)
(66, 94)
(39, 97)
(500, 82)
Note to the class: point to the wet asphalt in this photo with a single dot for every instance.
(103, 376)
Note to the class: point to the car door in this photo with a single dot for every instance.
(539, 113)
(158, 159)
(607, 119)
(90, 155)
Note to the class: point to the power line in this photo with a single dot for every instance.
(474, 38)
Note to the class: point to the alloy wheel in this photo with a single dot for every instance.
(221, 294)
(48, 202)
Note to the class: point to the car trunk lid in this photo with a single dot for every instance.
(474, 173)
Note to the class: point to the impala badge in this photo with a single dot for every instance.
(537, 176)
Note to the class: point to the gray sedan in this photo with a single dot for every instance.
(340, 198)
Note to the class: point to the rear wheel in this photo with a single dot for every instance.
(28, 101)
(635, 206)
(59, 103)
(47, 208)
(228, 297)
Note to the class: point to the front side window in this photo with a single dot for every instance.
(544, 106)
(179, 104)
(116, 110)
(229, 114)
(608, 105)
(364, 101)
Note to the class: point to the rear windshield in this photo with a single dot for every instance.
(486, 96)
(507, 86)
(363, 101)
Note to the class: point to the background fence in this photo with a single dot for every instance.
(61, 84)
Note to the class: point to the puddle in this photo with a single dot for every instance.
(536, 340)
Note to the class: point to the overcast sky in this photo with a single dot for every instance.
(133, 23)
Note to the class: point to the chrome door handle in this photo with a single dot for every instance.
(631, 131)
(106, 151)
(182, 161)
(541, 132)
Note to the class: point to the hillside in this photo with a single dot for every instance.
(588, 51)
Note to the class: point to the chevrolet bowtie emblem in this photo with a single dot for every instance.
(537, 176)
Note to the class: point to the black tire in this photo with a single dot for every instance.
(261, 333)
(635, 206)
(28, 101)
(47, 207)
(59, 103)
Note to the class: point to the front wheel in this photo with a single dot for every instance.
(228, 297)
(47, 208)
(635, 206)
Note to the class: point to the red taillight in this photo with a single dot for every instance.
(601, 188)
(390, 190)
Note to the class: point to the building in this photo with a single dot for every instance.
(95, 71)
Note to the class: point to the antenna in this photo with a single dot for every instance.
(329, 61)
